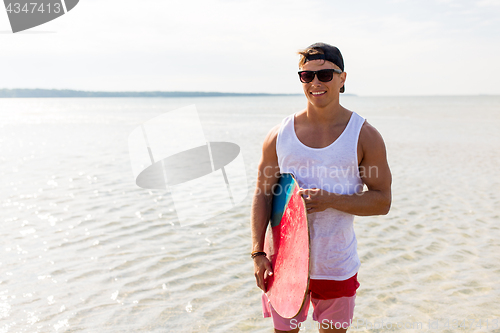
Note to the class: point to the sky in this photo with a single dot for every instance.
(390, 47)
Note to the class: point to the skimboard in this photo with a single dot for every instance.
(287, 247)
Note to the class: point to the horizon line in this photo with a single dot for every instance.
(40, 93)
(73, 93)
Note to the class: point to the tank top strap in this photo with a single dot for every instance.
(284, 122)
(354, 127)
(284, 133)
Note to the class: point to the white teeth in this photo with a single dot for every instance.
(318, 93)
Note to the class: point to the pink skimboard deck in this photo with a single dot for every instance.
(287, 247)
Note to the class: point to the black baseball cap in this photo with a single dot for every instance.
(331, 53)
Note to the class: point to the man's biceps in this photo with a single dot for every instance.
(379, 183)
(369, 171)
(374, 173)
(378, 186)
(374, 165)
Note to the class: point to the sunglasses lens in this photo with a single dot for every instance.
(325, 75)
(306, 77)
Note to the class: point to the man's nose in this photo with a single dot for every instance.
(315, 81)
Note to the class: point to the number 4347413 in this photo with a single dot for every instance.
(34, 7)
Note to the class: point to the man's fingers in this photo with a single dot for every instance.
(259, 281)
(303, 191)
(262, 274)
(269, 269)
(308, 191)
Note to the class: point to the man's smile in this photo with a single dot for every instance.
(318, 93)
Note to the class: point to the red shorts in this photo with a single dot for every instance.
(328, 289)
(332, 300)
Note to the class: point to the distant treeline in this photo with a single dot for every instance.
(40, 93)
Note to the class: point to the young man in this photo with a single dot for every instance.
(332, 153)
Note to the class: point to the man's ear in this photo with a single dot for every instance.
(343, 76)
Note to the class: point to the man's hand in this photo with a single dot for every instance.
(262, 268)
(316, 199)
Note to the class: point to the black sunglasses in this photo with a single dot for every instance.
(324, 75)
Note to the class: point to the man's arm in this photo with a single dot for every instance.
(374, 172)
(268, 175)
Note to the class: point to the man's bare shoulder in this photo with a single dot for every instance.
(271, 137)
(269, 166)
(371, 140)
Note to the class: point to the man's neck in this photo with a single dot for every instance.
(328, 115)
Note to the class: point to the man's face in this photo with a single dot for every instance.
(321, 94)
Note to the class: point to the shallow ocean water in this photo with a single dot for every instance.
(83, 249)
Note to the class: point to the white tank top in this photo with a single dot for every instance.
(334, 168)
